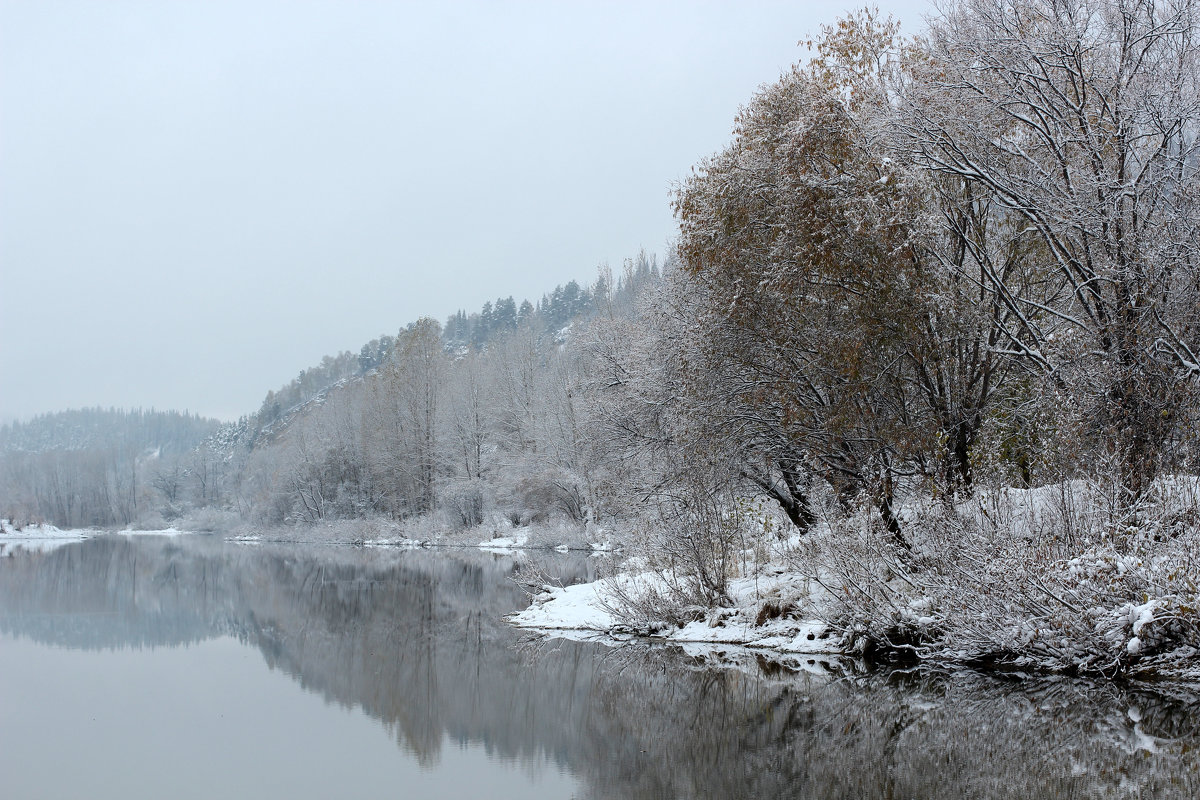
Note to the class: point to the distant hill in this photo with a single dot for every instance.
(338, 439)
(170, 432)
(553, 315)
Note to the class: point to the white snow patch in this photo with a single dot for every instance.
(37, 538)
(398, 541)
(582, 608)
(514, 542)
(572, 608)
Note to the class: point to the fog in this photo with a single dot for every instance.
(198, 200)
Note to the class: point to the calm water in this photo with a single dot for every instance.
(189, 668)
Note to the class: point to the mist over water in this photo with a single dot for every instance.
(193, 667)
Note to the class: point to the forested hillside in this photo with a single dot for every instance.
(96, 428)
(431, 419)
(487, 415)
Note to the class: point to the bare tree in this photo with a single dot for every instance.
(1080, 120)
(468, 414)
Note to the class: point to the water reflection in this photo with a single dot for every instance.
(414, 640)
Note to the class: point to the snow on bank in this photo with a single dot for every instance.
(514, 542)
(1054, 579)
(584, 610)
(44, 538)
(412, 536)
(562, 537)
(577, 608)
(496, 535)
(36, 538)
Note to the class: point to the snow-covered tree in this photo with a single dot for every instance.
(1080, 122)
(805, 283)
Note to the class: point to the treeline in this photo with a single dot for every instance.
(552, 313)
(970, 255)
(90, 428)
(940, 298)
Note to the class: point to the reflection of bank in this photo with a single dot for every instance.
(43, 538)
(35, 538)
(414, 639)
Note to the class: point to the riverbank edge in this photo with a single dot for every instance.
(798, 641)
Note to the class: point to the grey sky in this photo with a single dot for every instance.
(200, 199)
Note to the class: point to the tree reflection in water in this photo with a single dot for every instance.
(415, 639)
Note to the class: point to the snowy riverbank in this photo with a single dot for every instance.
(36, 538)
(1037, 580)
(587, 610)
(43, 538)
(496, 536)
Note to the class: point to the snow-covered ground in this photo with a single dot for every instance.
(36, 538)
(44, 538)
(1038, 579)
(155, 532)
(515, 541)
(496, 536)
(584, 610)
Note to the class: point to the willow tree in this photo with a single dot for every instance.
(801, 242)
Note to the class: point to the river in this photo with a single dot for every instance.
(193, 668)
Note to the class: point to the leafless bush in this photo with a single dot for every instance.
(1045, 579)
(561, 533)
(209, 520)
(18, 521)
(534, 578)
(653, 602)
(696, 540)
(462, 503)
(361, 530)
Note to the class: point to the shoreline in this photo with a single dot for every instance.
(778, 614)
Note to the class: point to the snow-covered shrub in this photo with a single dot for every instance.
(360, 530)
(209, 520)
(688, 550)
(462, 503)
(541, 494)
(559, 533)
(151, 521)
(653, 601)
(1025, 579)
(18, 522)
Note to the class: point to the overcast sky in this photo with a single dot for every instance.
(200, 199)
